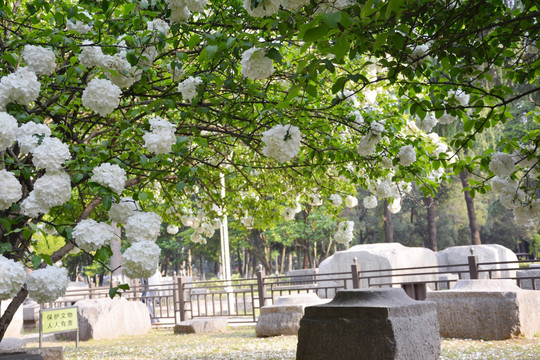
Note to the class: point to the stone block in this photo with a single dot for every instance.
(201, 326)
(283, 318)
(373, 324)
(303, 276)
(447, 281)
(526, 278)
(487, 309)
(19, 356)
(11, 344)
(15, 327)
(486, 253)
(48, 353)
(106, 318)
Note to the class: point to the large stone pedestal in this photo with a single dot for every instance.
(487, 309)
(374, 324)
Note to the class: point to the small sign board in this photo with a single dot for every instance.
(58, 320)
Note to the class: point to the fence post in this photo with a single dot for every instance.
(355, 269)
(260, 285)
(473, 266)
(181, 298)
(91, 289)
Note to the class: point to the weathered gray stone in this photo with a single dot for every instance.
(382, 256)
(303, 276)
(486, 253)
(19, 356)
(15, 327)
(487, 309)
(447, 279)
(283, 318)
(110, 318)
(201, 326)
(48, 353)
(374, 324)
(526, 278)
(11, 344)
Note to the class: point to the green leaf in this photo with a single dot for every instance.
(331, 19)
(274, 54)
(211, 50)
(468, 125)
(180, 186)
(102, 254)
(124, 286)
(10, 58)
(316, 33)
(47, 259)
(36, 261)
(113, 292)
(107, 202)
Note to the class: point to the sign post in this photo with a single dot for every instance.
(58, 320)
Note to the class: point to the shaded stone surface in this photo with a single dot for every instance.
(201, 326)
(10, 344)
(527, 276)
(48, 353)
(487, 309)
(374, 324)
(110, 318)
(283, 317)
(19, 356)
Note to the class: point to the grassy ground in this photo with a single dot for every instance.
(240, 343)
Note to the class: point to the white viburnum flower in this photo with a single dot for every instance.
(336, 199)
(419, 52)
(40, 60)
(101, 96)
(21, 87)
(51, 154)
(502, 164)
(122, 211)
(179, 11)
(264, 8)
(143, 226)
(90, 235)
(12, 278)
(10, 189)
(370, 202)
(196, 5)
(351, 201)
(367, 145)
(176, 71)
(282, 143)
(172, 229)
(427, 123)
(158, 25)
(447, 118)
(188, 88)
(162, 138)
(461, 97)
(387, 189)
(8, 130)
(47, 284)
(111, 176)
(255, 65)
(78, 26)
(344, 234)
(31, 207)
(197, 238)
(248, 222)
(314, 199)
(407, 155)
(141, 259)
(28, 136)
(288, 213)
(395, 206)
(91, 55)
(52, 189)
(348, 97)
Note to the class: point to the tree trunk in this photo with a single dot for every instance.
(388, 227)
(473, 224)
(431, 241)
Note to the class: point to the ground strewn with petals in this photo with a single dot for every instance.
(241, 343)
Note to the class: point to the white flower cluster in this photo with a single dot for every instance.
(79, 26)
(111, 176)
(143, 226)
(282, 142)
(176, 71)
(51, 154)
(336, 199)
(419, 52)
(40, 60)
(349, 97)
(10, 189)
(28, 136)
(52, 189)
(314, 199)
(90, 235)
(47, 284)
(427, 123)
(101, 96)
(344, 233)
(447, 118)
(407, 155)
(351, 201)
(12, 277)
(369, 141)
(288, 213)
(172, 229)
(162, 137)
(370, 202)
(461, 97)
(294, 4)
(255, 65)
(248, 222)
(158, 25)
(21, 87)
(181, 9)
(188, 88)
(8, 130)
(526, 210)
(332, 6)
(122, 211)
(141, 259)
(264, 8)
(502, 164)
(440, 146)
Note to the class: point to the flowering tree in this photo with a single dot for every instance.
(125, 111)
